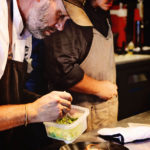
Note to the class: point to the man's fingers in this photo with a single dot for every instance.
(65, 95)
(65, 103)
(63, 110)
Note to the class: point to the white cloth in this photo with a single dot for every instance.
(129, 134)
(21, 45)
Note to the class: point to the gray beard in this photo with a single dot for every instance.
(36, 33)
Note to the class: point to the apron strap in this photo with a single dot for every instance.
(10, 27)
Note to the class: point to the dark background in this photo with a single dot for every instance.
(134, 96)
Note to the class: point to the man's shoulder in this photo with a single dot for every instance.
(71, 25)
(73, 30)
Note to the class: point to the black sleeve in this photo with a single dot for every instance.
(63, 54)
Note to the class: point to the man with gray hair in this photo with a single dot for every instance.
(19, 19)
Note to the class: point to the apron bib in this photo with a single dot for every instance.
(12, 83)
(100, 65)
(11, 92)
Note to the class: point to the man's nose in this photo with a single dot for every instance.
(60, 24)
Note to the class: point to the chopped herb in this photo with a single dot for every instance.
(66, 120)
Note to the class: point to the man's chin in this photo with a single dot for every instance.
(42, 36)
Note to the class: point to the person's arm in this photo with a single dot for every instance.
(102, 89)
(66, 72)
(47, 108)
(63, 53)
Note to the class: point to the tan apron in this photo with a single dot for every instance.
(100, 65)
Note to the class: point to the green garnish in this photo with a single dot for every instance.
(66, 120)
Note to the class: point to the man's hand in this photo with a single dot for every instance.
(103, 89)
(106, 90)
(49, 107)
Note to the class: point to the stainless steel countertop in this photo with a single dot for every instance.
(142, 118)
